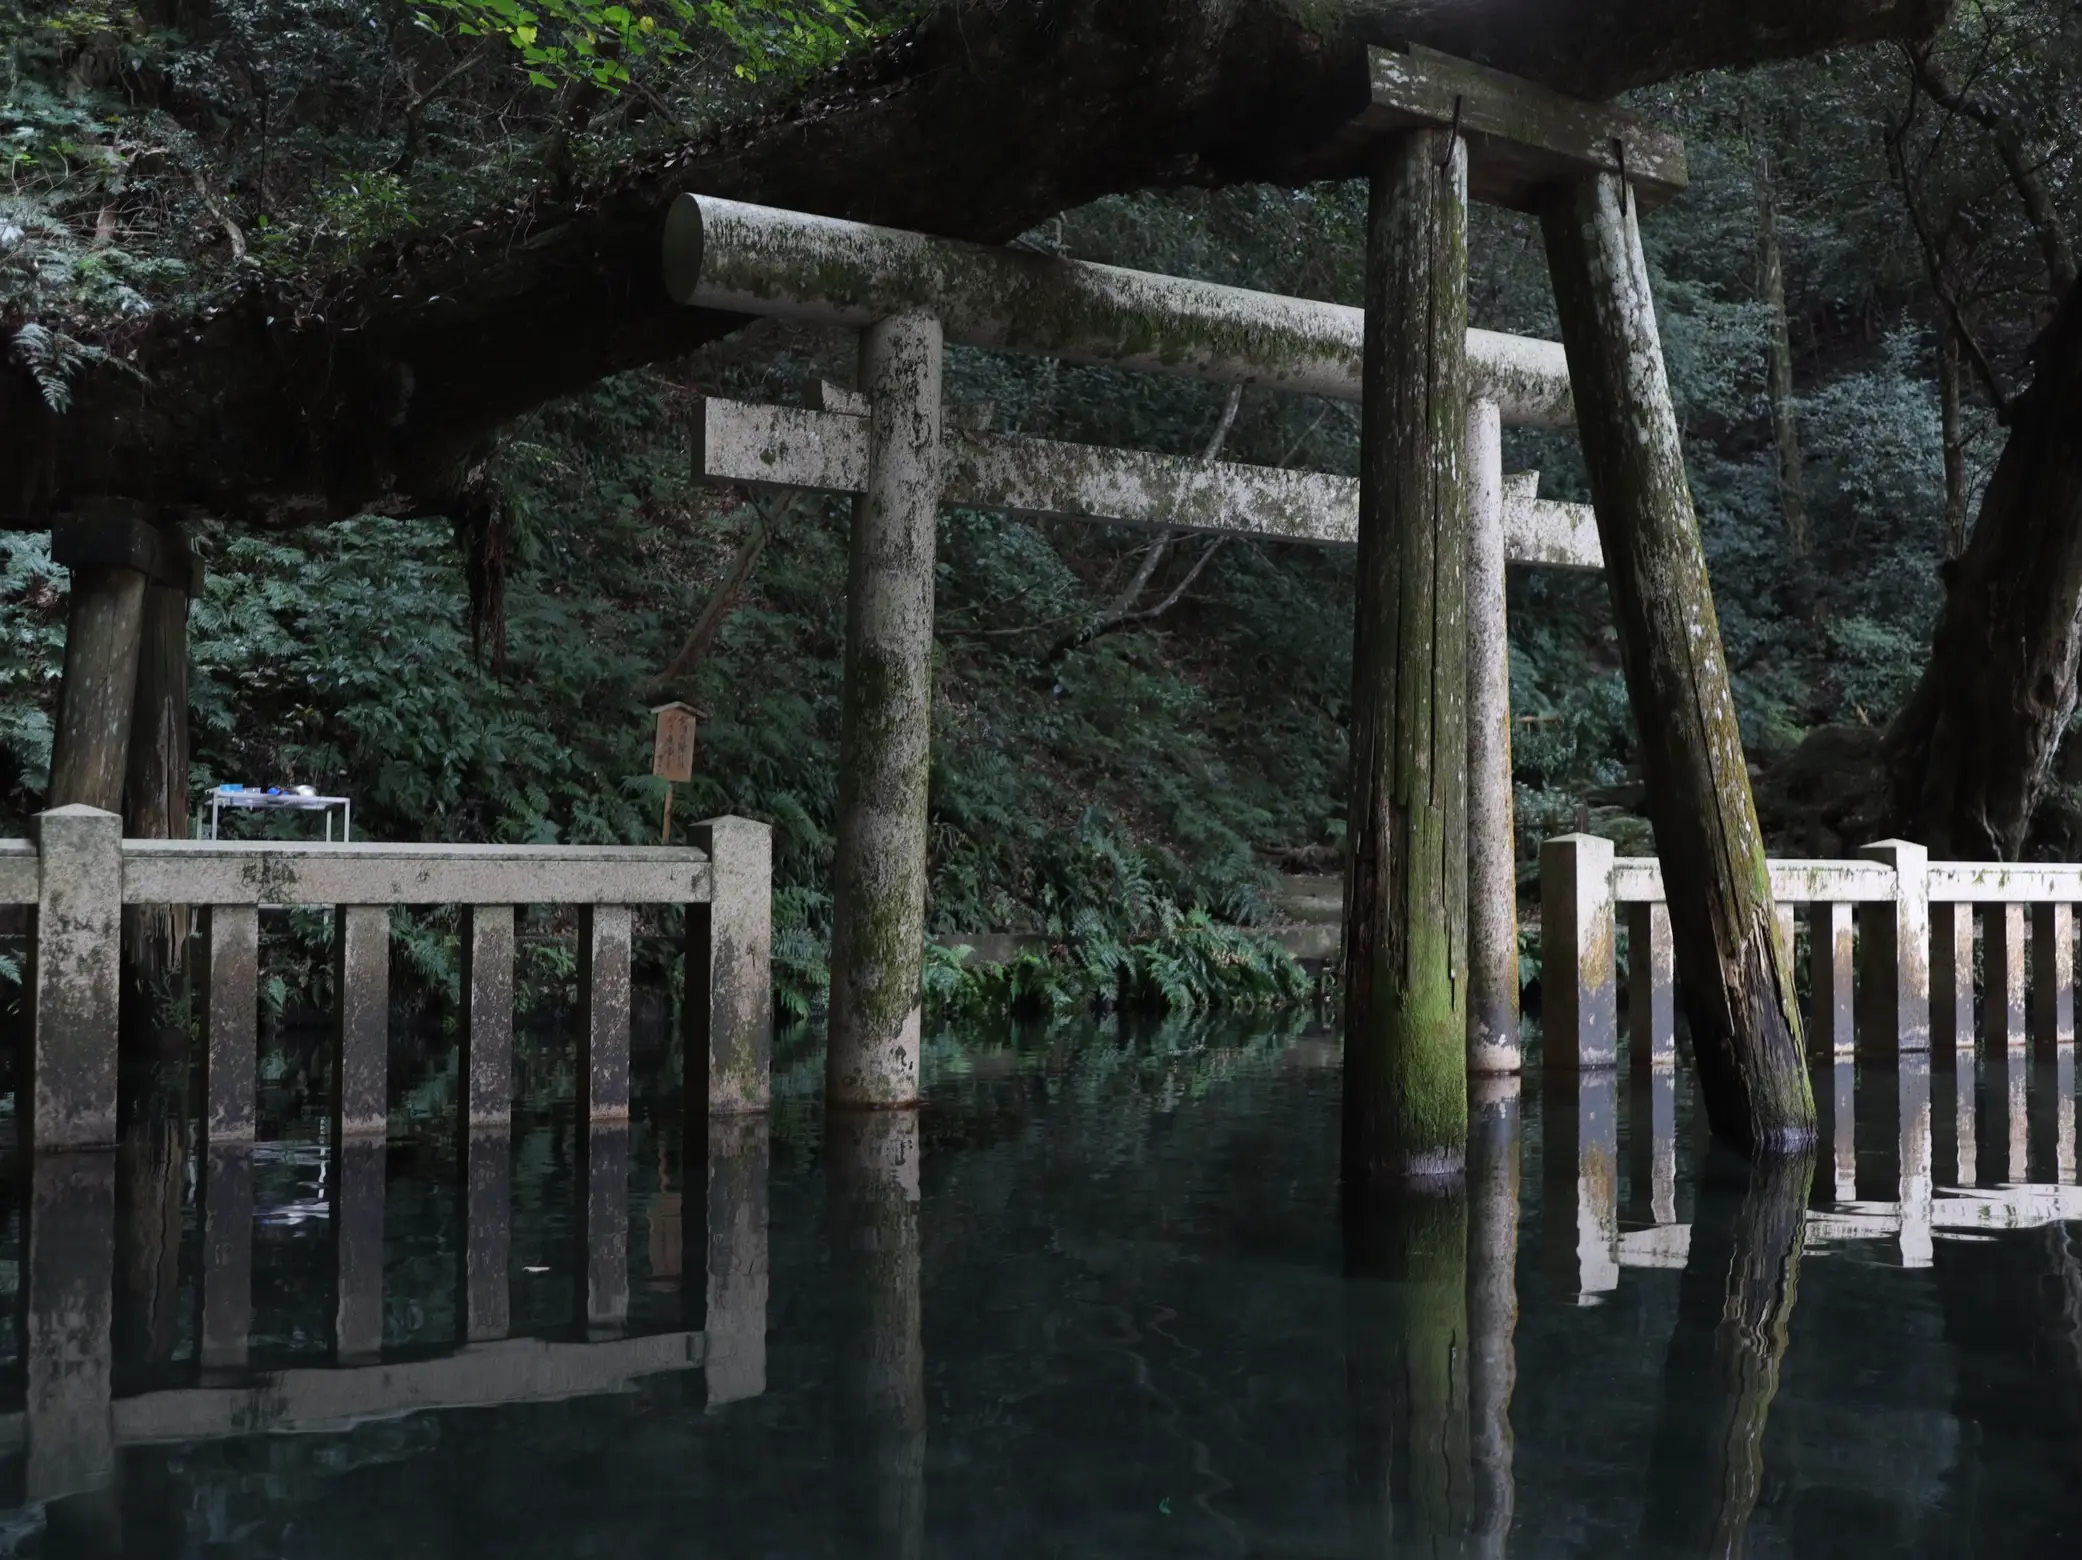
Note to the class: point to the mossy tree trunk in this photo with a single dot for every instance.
(155, 785)
(1734, 970)
(107, 549)
(885, 740)
(1785, 426)
(1405, 1065)
(1970, 754)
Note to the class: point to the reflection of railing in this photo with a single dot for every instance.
(1896, 925)
(80, 874)
(71, 1425)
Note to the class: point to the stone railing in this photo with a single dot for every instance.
(80, 873)
(1893, 927)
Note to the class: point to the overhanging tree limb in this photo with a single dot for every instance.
(372, 385)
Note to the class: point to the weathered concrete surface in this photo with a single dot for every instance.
(1951, 977)
(231, 1047)
(729, 1001)
(68, 1267)
(1982, 883)
(486, 1309)
(2052, 978)
(322, 1401)
(878, 1336)
(226, 873)
(1639, 879)
(361, 1022)
(737, 1267)
(605, 940)
(1406, 873)
(724, 254)
(1894, 956)
(1493, 1043)
(2002, 977)
(1832, 961)
(1578, 1005)
(788, 448)
(355, 1213)
(879, 863)
(74, 986)
(1651, 989)
(227, 1257)
(602, 1226)
(20, 873)
(484, 1060)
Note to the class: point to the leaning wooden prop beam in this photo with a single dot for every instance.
(1588, 171)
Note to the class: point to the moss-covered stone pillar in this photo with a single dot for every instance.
(1492, 849)
(878, 891)
(1406, 986)
(1734, 971)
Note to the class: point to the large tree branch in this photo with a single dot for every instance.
(372, 386)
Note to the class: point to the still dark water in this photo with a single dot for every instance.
(1095, 1299)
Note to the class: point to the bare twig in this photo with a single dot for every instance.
(724, 597)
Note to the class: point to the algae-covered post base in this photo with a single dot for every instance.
(1492, 853)
(885, 737)
(1735, 974)
(1406, 993)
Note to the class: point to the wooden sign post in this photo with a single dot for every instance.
(672, 755)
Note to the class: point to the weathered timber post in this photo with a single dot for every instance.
(878, 891)
(1492, 848)
(112, 553)
(155, 784)
(1735, 973)
(1406, 991)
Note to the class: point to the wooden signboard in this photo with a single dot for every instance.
(672, 753)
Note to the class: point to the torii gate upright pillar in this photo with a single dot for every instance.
(885, 736)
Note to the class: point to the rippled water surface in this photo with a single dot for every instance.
(1095, 1299)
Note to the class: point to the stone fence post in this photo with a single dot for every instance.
(1894, 956)
(729, 991)
(1577, 1002)
(75, 987)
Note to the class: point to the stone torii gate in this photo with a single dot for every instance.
(824, 446)
(1433, 396)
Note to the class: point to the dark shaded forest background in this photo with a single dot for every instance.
(1134, 735)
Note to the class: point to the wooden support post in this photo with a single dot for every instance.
(604, 938)
(2002, 976)
(885, 740)
(484, 1060)
(1493, 1141)
(728, 1003)
(112, 553)
(1894, 952)
(1832, 947)
(1493, 1044)
(230, 942)
(75, 986)
(1406, 915)
(2052, 977)
(361, 1022)
(1737, 980)
(155, 787)
(1577, 974)
(1651, 989)
(1951, 980)
(227, 1258)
